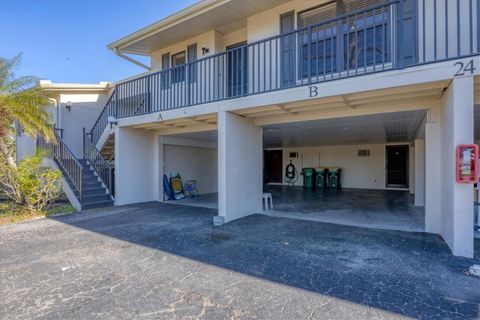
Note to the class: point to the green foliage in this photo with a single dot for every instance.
(30, 187)
(22, 100)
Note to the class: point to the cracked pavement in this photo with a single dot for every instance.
(160, 261)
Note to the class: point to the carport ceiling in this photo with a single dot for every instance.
(379, 128)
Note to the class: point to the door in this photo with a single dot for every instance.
(397, 166)
(287, 54)
(237, 66)
(273, 162)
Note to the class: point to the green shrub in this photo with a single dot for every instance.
(30, 187)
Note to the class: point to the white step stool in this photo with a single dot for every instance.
(267, 197)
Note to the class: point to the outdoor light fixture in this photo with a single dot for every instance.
(68, 106)
(112, 121)
(205, 50)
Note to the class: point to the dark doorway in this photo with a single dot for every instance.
(237, 66)
(272, 163)
(397, 166)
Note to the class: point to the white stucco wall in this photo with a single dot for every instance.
(136, 166)
(206, 40)
(419, 172)
(457, 199)
(433, 174)
(25, 146)
(84, 112)
(193, 163)
(232, 38)
(448, 204)
(239, 166)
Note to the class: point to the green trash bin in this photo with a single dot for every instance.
(334, 178)
(321, 174)
(308, 178)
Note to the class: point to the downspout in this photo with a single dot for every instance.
(138, 63)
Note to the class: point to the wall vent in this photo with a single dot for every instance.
(364, 153)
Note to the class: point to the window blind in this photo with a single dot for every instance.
(354, 5)
(317, 15)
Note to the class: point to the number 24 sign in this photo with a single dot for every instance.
(463, 68)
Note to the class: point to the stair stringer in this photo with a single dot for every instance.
(104, 137)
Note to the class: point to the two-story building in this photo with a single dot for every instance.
(237, 90)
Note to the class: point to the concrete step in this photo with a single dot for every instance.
(92, 184)
(93, 188)
(90, 178)
(97, 204)
(95, 197)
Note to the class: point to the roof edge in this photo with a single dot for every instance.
(165, 23)
(48, 85)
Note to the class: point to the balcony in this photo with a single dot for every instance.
(393, 35)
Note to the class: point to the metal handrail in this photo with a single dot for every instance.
(102, 121)
(364, 41)
(212, 79)
(100, 165)
(65, 158)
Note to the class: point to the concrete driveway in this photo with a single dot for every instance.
(159, 261)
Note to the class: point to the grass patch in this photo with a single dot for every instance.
(10, 214)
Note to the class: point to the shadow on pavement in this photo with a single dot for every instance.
(410, 274)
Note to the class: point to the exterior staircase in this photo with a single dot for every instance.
(95, 194)
(108, 148)
(89, 179)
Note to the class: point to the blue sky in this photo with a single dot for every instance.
(65, 40)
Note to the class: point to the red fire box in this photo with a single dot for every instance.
(467, 163)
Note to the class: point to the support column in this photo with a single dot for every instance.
(135, 173)
(239, 167)
(419, 172)
(158, 168)
(457, 199)
(433, 172)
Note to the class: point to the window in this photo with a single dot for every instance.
(366, 36)
(318, 44)
(178, 67)
(318, 14)
(361, 39)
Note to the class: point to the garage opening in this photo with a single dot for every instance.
(190, 167)
(360, 171)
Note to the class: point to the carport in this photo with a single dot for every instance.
(353, 132)
(376, 158)
(358, 145)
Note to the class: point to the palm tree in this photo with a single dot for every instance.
(22, 100)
